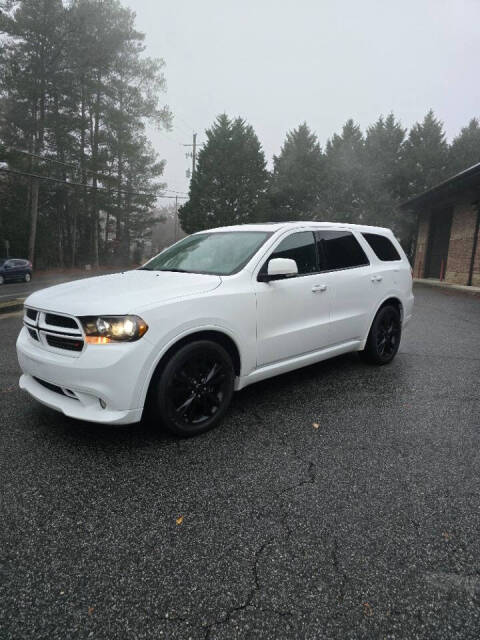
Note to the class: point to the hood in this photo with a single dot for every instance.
(120, 293)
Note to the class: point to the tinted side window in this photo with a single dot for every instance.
(299, 247)
(340, 250)
(382, 247)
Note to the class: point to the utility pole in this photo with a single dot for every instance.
(193, 153)
(176, 220)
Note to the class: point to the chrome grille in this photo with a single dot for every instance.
(59, 342)
(31, 314)
(60, 321)
(55, 331)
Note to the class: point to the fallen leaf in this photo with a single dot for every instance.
(179, 520)
(91, 610)
(315, 425)
(367, 609)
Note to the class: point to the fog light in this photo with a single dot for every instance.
(103, 404)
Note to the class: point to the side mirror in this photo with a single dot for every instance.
(279, 268)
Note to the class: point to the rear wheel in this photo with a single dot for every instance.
(194, 389)
(384, 337)
(2, 279)
(27, 277)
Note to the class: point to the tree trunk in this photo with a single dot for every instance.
(95, 217)
(33, 221)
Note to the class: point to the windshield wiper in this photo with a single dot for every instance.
(173, 270)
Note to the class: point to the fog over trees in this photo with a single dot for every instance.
(79, 178)
(359, 177)
(76, 89)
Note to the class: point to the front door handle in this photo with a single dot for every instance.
(377, 278)
(319, 287)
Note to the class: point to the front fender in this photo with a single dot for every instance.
(179, 333)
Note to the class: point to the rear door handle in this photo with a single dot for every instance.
(377, 278)
(319, 287)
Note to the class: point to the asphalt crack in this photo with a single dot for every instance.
(249, 599)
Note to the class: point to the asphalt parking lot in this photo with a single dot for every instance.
(366, 525)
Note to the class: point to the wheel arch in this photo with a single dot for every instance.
(390, 300)
(393, 301)
(215, 335)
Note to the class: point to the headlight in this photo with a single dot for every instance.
(105, 329)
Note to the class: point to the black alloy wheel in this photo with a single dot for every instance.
(384, 337)
(195, 388)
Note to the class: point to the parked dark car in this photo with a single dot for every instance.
(15, 269)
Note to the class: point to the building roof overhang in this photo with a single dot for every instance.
(465, 182)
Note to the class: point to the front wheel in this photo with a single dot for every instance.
(194, 389)
(384, 337)
(2, 279)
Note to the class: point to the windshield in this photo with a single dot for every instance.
(220, 253)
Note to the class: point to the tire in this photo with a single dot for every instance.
(194, 389)
(27, 277)
(2, 280)
(384, 337)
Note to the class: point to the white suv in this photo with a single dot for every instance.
(213, 313)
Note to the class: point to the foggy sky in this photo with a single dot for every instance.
(279, 63)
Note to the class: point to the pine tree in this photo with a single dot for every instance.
(385, 177)
(30, 67)
(344, 194)
(230, 180)
(426, 155)
(76, 88)
(465, 148)
(297, 180)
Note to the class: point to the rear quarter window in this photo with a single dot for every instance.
(340, 250)
(382, 247)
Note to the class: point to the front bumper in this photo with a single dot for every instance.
(113, 374)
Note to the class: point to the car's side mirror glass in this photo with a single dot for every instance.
(278, 269)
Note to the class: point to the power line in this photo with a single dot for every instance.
(65, 164)
(88, 186)
(46, 159)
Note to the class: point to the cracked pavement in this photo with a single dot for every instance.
(365, 527)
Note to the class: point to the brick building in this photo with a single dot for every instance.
(448, 233)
